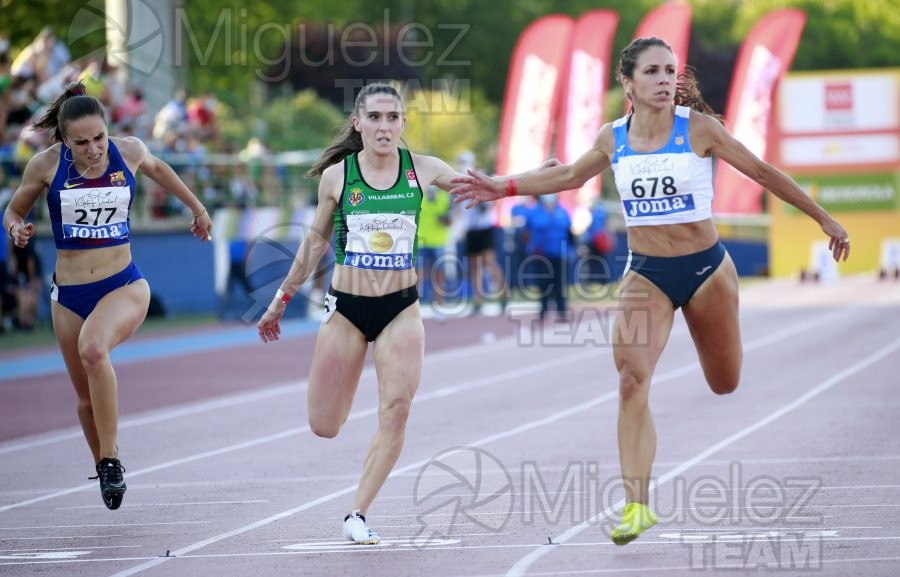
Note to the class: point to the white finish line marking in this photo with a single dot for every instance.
(687, 369)
(327, 546)
(45, 555)
(527, 561)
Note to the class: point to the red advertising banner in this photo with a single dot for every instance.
(531, 101)
(764, 57)
(583, 93)
(670, 22)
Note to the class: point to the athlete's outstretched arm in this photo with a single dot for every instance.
(715, 140)
(478, 187)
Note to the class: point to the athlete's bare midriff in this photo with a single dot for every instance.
(672, 239)
(74, 267)
(371, 283)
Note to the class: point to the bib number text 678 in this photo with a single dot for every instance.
(639, 186)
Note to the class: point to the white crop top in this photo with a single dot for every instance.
(669, 186)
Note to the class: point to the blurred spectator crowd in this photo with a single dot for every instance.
(184, 132)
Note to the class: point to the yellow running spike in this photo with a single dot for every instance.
(636, 518)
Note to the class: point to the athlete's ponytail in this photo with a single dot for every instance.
(72, 104)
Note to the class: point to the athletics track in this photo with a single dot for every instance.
(510, 465)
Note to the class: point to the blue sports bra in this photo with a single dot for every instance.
(91, 212)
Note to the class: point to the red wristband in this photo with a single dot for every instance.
(512, 189)
(282, 296)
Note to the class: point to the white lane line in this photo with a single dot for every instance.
(275, 390)
(153, 505)
(105, 525)
(233, 400)
(798, 459)
(347, 490)
(509, 433)
(526, 562)
(60, 537)
(238, 399)
(671, 568)
(96, 548)
(293, 481)
(205, 455)
(187, 410)
(349, 548)
(424, 397)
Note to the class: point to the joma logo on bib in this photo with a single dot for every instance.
(379, 261)
(109, 231)
(659, 206)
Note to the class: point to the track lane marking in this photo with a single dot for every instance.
(522, 566)
(672, 374)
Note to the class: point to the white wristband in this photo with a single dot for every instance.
(282, 296)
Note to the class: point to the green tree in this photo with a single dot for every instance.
(300, 121)
(21, 21)
(444, 124)
(838, 34)
(233, 50)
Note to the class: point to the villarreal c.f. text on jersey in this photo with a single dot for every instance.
(377, 229)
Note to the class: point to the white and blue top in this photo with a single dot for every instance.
(671, 185)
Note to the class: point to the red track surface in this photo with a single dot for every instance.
(797, 471)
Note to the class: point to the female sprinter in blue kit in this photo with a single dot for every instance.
(661, 156)
(99, 297)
